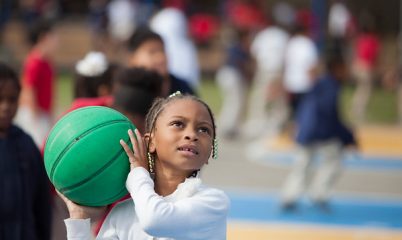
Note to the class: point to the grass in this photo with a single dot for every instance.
(382, 108)
(64, 93)
(211, 94)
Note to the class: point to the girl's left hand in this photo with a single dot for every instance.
(138, 157)
(77, 211)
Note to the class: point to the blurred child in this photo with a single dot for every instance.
(367, 48)
(35, 113)
(146, 49)
(319, 131)
(171, 24)
(135, 90)
(267, 109)
(301, 62)
(25, 197)
(93, 81)
(232, 80)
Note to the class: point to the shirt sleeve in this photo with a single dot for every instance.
(32, 73)
(78, 229)
(200, 215)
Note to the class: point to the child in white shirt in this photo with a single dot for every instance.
(168, 199)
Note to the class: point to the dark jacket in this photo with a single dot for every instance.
(25, 200)
(177, 84)
(317, 117)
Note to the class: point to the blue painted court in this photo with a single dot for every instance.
(343, 211)
(256, 215)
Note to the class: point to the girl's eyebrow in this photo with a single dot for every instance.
(199, 122)
(205, 122)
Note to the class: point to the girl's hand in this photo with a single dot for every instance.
(138, 157)
(77, 211)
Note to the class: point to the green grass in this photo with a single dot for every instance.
(210, 93)
(381, 108)
(64, 94)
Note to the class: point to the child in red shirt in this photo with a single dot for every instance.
(35, 112)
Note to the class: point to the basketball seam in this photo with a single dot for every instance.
(95, 173)
(76, 139)
(100, 203)
(73, 113)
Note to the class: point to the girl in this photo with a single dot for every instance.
(168, 199)
(93, 81)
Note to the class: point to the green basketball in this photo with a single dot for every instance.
(84, 159)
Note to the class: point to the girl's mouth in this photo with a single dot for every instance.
(188, 149)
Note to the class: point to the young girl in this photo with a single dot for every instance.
(168, 199)
(93, 81)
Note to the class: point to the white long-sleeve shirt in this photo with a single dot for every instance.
(300, 59)
(193, 211)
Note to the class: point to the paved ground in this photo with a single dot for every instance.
(367, 199)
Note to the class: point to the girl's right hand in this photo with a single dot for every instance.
(77, 211)
(138, 156)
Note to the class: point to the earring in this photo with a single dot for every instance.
(151, 163)
(215, 149)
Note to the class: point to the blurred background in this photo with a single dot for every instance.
(245, 68)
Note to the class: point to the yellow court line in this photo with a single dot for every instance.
(386, 141)
(261, 231)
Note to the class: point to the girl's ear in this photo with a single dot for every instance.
(149, 142)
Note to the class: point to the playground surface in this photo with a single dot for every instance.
(367, 199)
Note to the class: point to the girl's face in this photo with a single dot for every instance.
(8, 104)
(150, 55)
(183, 136)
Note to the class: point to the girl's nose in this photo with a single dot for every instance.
(191, 135)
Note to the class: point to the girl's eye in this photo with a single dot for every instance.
(177, 124)
(205, 130)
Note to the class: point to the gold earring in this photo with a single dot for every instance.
(215, 149)
(151, 163)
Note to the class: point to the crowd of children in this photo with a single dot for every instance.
(155, 87)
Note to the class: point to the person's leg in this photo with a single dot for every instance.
(256, 108)
(330, 158)
(362, 94)
(296, 182)
(277, 110)
(231, 84)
